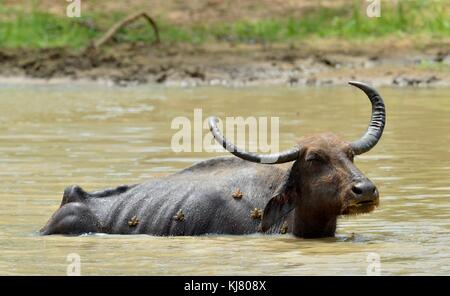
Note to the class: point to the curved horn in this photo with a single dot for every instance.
(285, 156)
(377, 122)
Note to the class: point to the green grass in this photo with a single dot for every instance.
(412, 18)
(40, 30)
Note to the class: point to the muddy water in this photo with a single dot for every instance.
(54, 136)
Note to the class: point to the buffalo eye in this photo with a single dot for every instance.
(314, 158)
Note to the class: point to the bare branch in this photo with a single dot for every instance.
(126, 21)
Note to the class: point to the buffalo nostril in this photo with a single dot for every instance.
(365, 189)
(357, 190)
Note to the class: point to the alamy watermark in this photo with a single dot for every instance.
(74, 266)
(73, 8)
(374, 264)
(194, 135)
(373, 9)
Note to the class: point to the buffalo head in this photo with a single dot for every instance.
(323, 181)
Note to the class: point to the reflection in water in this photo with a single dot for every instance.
(51, 137)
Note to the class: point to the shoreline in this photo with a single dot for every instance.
(224, 65)
(377, 82)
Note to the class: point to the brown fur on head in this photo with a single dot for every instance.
(323, 183)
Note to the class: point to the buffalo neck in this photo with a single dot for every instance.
(309, 224)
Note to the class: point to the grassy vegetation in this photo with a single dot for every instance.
(38, 29)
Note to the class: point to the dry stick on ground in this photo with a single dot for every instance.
(129, 19)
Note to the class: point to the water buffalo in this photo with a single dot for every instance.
(301, 191)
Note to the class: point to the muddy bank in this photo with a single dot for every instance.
(233, 65)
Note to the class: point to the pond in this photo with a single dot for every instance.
(52, 136)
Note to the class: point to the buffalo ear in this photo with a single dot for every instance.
(283, 200)
(279, 206)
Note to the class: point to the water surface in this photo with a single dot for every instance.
(97, 137)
